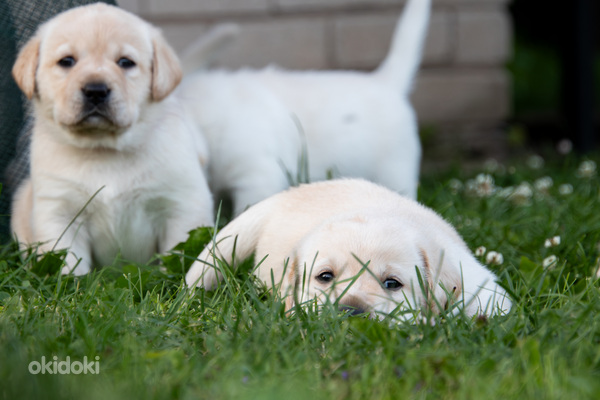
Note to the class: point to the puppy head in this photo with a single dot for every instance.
(368, 264)
(91, 70)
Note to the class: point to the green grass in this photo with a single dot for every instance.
(157, 341)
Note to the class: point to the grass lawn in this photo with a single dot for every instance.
(153, 340)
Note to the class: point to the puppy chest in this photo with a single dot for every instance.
(130, 225)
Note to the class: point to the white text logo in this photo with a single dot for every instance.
(65, 367)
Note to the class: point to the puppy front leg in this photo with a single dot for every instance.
(188, 215)
(236, 241)
(176, 231)
(77, 266)
(55, 233)
(203, 272)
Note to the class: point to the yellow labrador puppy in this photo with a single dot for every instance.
(352, 123)
(316, 240)
(115, 166)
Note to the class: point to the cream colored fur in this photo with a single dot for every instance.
(338, 227)
(351, 123)
(108, 132)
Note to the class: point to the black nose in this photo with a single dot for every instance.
(96, 93)
(352, 310)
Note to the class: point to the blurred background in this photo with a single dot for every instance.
(555, 72)
(499, 78)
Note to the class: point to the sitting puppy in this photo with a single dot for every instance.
(352, 124)
(316, 239)
(115, 166)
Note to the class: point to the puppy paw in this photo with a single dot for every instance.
(75, 266)
(202, 275)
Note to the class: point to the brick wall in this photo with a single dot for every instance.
(462, 92)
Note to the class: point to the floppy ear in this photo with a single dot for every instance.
(466, 280)
(290, 301)
(26, 65)
(442, 280)
(166, 69)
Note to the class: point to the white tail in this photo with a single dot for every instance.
(404, 56)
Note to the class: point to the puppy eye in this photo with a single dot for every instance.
(325, 277)
(125, 63)
(392, 284)
(67, 62)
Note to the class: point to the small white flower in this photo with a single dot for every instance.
(524, 189)
(493, 257)
(565, 189)
(481, 186)
(455, 185)
(484, 179)
(480, 251)
(522, 194)
(535, 162)
(550, 261)
(475, 222)
(491, 165)
(505, 192)
(543, 184)
(586, 169)
(552, 242)
(564, 147)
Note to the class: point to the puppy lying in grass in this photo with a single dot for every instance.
(350, 123)
(115, 166)
(358, 244)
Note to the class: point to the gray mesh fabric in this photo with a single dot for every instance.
(19, 20)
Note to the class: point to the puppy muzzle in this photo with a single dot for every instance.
(352, 310)
(353, 306)
(96, 93)
(96, 107)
